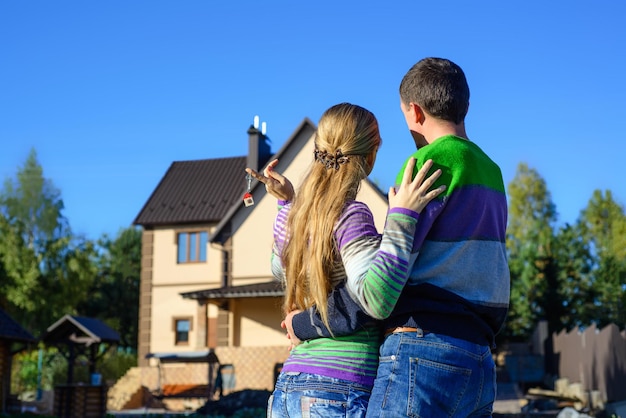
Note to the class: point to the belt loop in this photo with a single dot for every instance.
(419, 333)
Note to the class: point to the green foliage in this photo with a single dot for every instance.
(35, 202)
(41, 288)
(28, 376)
(529, 244)
(575, 279)
(115, 364)
(603, 224)
(25, 374)
(531, 210)
(573, 276)
(47, 270)
(117, 285)
(19, 269)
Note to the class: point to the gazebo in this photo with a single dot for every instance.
(75, 336)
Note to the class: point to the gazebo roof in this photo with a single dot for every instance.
(11, 330)
(80, 330)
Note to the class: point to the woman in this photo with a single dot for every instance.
(320, 239)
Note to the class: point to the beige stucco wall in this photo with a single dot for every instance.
(252, 244)
(170, 279)
(168, 272)
(259, 322)
(167, 305)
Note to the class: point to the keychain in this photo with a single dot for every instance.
(247, 198)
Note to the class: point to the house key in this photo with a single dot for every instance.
(247, 198)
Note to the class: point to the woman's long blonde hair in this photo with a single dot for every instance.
(346, 143)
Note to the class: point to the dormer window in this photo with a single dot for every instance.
(192, 247)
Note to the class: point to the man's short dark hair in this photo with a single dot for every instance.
(439, 86)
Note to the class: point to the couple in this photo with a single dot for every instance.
(398, 324)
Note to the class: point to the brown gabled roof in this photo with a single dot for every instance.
(195, 191)
(11, 330)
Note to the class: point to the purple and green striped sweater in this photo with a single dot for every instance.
(459, 280)
(364, 253)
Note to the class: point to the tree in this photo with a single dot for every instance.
(115, 292)
(575, 276)
(36, 203)
(67, 272)
(48, 270)
(603, 223)
(19, 271)
(575, 279)
(529, 241)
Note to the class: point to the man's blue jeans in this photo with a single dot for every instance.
(431, 375)
(309, 395)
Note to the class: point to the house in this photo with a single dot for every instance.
(13, 338)
(206, 281)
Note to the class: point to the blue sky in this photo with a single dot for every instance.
(109, 93)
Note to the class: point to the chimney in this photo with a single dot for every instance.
(259, 151)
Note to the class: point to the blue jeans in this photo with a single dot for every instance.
(310, 395)
(425, 375)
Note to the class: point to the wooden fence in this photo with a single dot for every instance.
(594, 358)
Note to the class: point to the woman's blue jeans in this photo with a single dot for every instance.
(309, 395)
(425, 375)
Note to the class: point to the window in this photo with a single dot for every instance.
(192, 247)
(181, 330)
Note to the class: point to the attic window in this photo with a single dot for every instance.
(192, 247)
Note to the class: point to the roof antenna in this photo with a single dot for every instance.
(263, 128)
(256, 122)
